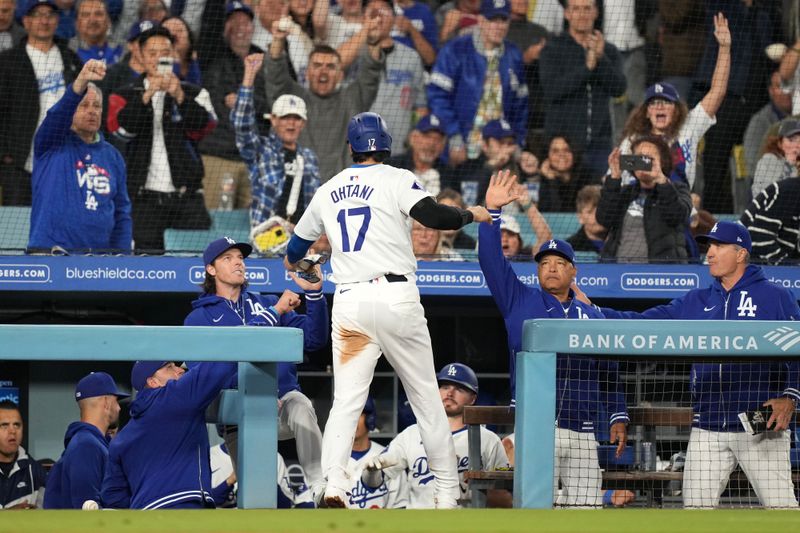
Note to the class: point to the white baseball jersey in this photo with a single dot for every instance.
(391, 494)
(364, 212)
(222, 468)
(407, 446)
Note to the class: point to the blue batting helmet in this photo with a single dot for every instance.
(368, 132)
(370, 411)
(460, 375)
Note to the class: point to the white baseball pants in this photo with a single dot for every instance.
(297, 419)
(712, 456)
(577, 466)
(371, 318)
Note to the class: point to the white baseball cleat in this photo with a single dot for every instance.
(90, 505)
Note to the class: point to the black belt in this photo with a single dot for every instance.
(147, 193)
(395, 278)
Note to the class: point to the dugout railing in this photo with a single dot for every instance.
(687, 340)
(254, 406)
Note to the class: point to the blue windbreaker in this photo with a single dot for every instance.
(160, 458)
(720, 391)
(258, 310)
(456, 86)
(583, 384)
(80, 195)
(78, 474)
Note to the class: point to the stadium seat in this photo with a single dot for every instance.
(729, 217)
(587, 257)
(223, 222)
(15, 223)
(562, 225)
(193, 242)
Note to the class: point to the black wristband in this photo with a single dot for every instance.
(466, 217)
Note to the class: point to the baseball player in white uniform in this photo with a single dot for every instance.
(390, 493)
(222, 470)
(366, 212)
(405, 456)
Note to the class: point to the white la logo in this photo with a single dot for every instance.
(746, 306)
(659, 88)
(230, 241)
(505, 124)
(434, 120)
(553, 245)
(499, 3)
(452, 371)
(714, 229)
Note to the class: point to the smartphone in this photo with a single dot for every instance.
(632, 163)
(164, 65)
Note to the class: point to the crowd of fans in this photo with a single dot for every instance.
(546, 89)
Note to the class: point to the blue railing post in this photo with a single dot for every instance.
(258, 436)
(536, 403)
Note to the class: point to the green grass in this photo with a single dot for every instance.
(402, 521)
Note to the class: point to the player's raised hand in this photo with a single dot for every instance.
(289, 301)
(502, 190)
(307, 285)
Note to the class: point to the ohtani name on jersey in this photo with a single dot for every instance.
(353, 190)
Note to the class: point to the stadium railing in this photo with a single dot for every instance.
(536, 373)
(254, 406)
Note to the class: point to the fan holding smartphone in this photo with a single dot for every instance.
(646, 219)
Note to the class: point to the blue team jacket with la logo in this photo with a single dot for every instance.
(258, 310)
(721, 391)
(160, 459)
(585, 386)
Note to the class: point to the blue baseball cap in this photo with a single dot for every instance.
(460, 374)
(429, 123)
(557, 247)
(224, 244)
(139, 28)
(233, 7)
(728, 233)
(497, 129)
(143, 370)
(664, 91)
(495, 8)
(30, 5)
(97, 384)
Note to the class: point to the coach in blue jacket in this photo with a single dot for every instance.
(227, 302)
(80, 196)
(720, 391)
(160, 459)
(78, 474)
(583, 383)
